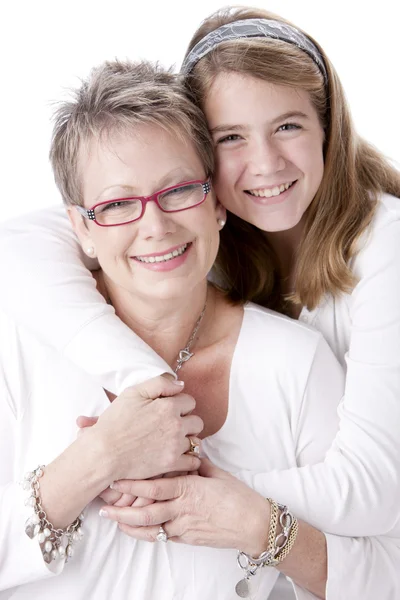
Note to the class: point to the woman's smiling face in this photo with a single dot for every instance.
(140, 162)
(269, 150)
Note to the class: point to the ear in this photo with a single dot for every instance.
(82, 231)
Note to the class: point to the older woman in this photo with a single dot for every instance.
(133, 160)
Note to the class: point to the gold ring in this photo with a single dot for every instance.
(194, 447)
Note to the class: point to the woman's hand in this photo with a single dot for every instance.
(144, 432)
(212, 509)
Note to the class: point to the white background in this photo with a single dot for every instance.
(46, 45)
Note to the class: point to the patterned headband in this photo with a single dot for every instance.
(253, 28)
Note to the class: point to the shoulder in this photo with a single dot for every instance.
(275, 356)
(388, 211)
(379, 246)
(277, 339)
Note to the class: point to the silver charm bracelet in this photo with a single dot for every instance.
(278, 548)
(54, 543)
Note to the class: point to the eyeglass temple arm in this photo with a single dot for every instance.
(87, 213)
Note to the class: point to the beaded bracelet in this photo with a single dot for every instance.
(277, 550)
(54, 543)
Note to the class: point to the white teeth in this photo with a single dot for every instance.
(269, 192)
(164, 257)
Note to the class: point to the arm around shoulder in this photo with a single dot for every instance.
(65, 310)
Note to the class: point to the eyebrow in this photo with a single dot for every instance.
(180, 173)
(287, 115)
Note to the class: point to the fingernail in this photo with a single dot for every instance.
(179, 382)
(112, 485)
(103, 512)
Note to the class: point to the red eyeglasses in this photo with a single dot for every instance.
(127, 210)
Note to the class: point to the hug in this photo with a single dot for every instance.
(216, 307)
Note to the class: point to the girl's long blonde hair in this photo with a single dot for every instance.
(355, 173)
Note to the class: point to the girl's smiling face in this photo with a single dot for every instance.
(269, 150)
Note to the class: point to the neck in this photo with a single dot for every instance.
(165, 326)
(285, 245)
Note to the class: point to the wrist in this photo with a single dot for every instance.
(74, 479)
(97, 468)
(257, 528)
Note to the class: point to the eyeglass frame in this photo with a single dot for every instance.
(88, 213)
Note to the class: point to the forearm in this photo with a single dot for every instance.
(306, 563)
(65, 309)
(74, 479)
(66, 487)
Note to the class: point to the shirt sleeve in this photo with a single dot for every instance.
(358, 567)
(366, 568)
(50, 290)
(21, 559)
(355, 491)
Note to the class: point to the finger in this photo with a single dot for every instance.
(207, 469)
(83, 421)
(125, 500)
(193, 424)
(156, 388)
(156, 489)
(176, 474)
(148, 534)
(110, 496)
(187, 462)
(184, 404)
(154, 514)
(139, 502)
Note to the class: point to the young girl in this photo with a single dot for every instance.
(323, 205)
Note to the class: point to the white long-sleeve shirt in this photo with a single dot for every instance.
(274, 420)
(356, 490)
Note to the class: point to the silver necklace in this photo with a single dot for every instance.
(184, 355)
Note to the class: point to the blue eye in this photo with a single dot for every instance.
(289, 127)
(232, 137)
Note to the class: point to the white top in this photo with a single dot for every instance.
(356, 490)
(274, 421)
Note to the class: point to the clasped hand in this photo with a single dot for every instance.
(144, 432)
(211, 509)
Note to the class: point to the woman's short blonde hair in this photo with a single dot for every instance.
(115, 97)
(354, 173)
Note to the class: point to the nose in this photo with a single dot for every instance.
(264, 157)
(155, 223)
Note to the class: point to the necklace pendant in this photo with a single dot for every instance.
(184, 355)
(243, 588)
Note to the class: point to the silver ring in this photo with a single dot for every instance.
(161, 535)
